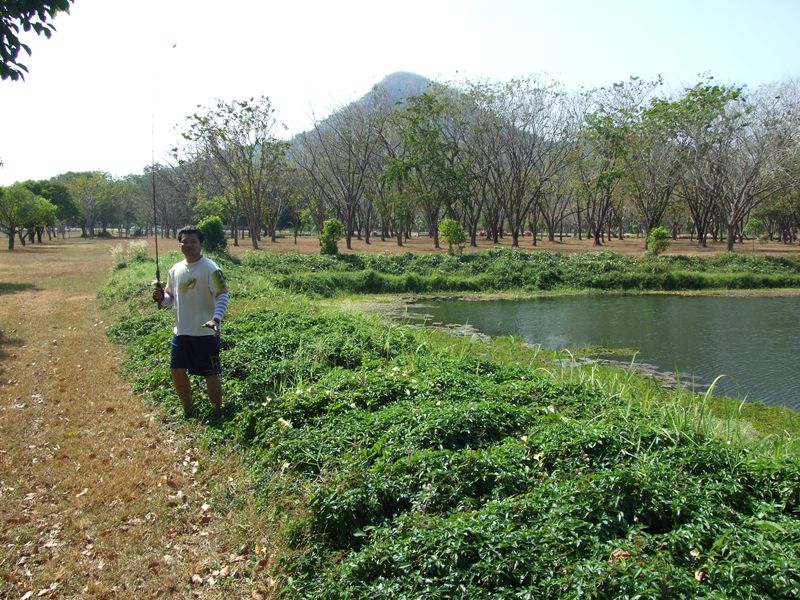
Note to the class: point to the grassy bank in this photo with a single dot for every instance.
(401, 463)
(514, 270)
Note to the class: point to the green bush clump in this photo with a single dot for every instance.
(332, 232)
(213, 235)
(513, 269)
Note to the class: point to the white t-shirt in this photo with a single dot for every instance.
(195, 287)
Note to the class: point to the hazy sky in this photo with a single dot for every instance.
(116, 70)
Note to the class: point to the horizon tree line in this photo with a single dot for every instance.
(518, 158)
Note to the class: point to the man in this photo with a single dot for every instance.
(199, 293)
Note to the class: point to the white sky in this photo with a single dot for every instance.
(110, 75)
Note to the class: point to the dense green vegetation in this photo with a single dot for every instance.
(509, 269)
(404, 463)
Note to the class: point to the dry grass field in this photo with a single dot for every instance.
(99, 496)
(630, 246)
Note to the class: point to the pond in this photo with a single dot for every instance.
(754, 341)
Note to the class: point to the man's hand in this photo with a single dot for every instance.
(158, 295)
(213, 325)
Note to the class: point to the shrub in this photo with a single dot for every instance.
(453, 233)
(657, 240)
(213, 234)
(332, 232)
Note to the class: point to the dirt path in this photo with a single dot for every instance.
(99, 498)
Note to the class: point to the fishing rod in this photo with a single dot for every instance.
(158, 283)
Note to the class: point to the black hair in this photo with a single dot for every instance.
(191, 231)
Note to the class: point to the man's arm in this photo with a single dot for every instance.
(220, 306)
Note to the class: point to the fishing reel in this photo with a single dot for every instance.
(157, 285)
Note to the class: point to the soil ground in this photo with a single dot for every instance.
(630, 246)
(101, 496)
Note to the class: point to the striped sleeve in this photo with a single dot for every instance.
(220, 306)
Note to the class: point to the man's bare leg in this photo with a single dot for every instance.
(180, 379)
(214, 390)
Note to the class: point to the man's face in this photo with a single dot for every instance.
(190, 246)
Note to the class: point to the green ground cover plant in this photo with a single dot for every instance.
(508, 270)
(404, 463)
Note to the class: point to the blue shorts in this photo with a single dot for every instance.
(197, 353)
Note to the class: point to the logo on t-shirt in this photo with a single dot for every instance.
(219, 280)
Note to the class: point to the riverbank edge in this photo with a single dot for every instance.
(392, 306)
(404, 298)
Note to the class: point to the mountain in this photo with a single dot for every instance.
(392, 90)
(397, 87)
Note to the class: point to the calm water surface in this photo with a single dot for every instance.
(753, 341)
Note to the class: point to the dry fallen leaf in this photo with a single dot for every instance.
(619, 554)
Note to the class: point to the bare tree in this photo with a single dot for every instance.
(750, 160)
(337, 154)
(240, 137)
(526, 137)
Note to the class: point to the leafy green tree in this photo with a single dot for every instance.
(598, 159)
(332, 232)
(27, 15)
(213, 234)
(96, 194)
(429, 167)
(57, 194)
(453, 233)
(209, 207)
(657, 240)
(650, 157)
(12, 207)
(754, 228)
(21, 208)
(306, 219)
(38, 215)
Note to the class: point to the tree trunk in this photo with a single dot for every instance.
(597, 232)
(731, 237)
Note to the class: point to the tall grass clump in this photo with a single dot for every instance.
(399, 463)
(133, 252)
